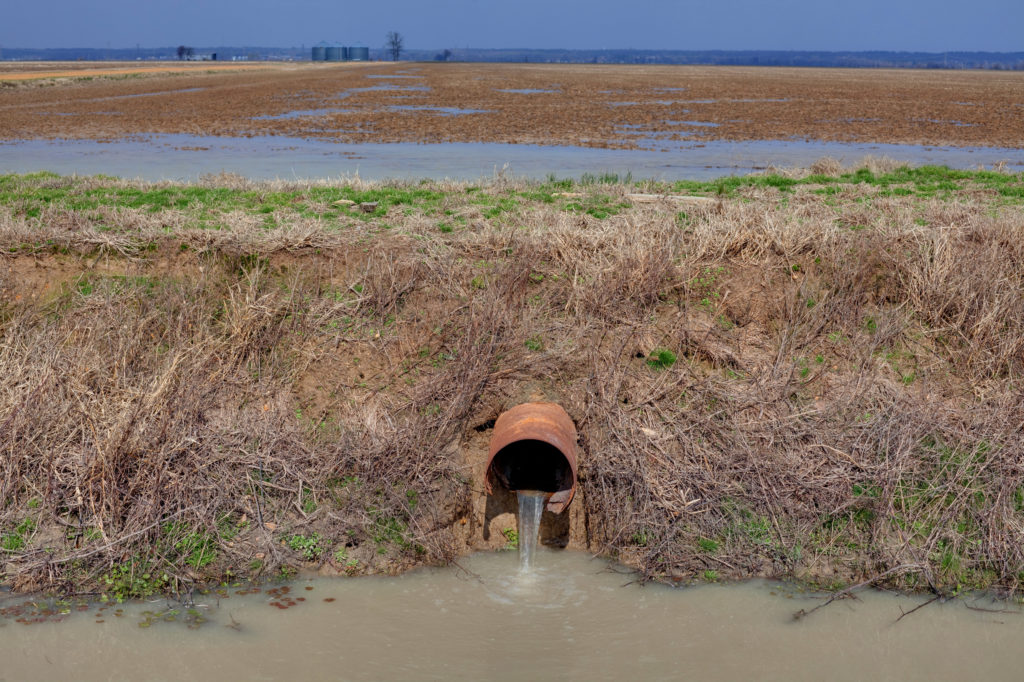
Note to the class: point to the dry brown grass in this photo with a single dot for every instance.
(847, 396)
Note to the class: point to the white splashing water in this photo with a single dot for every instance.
(531, 508)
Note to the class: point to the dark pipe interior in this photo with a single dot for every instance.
(532, 465)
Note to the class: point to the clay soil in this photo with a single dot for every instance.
(582, 105)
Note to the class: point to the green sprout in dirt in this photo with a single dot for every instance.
(136, 578)
(16, 540)
(310, 547)
(511, 538)
(661, 358)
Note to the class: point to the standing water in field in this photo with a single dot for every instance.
(531, 508)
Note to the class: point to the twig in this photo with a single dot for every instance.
(984, 610)
(919, 606)
(842, 593)
(118, 541)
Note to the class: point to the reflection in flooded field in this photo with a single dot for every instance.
(661, 156)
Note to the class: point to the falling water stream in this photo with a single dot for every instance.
(531, 508)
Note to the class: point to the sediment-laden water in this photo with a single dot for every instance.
(187, 157)
(572, 617)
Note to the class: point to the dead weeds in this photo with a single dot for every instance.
(836, 388)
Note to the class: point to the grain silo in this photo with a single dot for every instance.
(334, 54)
(359, 54)
(319, 53)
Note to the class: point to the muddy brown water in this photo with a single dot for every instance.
(573, 618)
(187, 157)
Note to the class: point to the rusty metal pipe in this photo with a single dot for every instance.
(534, 448)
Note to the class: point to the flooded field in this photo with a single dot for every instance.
(187, 157)
(572, 617)
(559, 105)
(466, 121)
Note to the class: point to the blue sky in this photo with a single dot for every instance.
(912, 25)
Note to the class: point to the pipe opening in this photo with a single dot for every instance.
(533, 447)
(532, 465)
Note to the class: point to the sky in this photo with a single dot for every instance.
(900, 25)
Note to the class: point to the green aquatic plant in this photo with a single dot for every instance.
(136, 578)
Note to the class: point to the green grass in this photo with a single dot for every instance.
(195, 546)
(924, 181)
(17, 539)
(29, 194)
(661, 358)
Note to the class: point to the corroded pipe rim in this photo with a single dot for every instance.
(545, 422)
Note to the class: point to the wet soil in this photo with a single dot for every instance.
(578, 105)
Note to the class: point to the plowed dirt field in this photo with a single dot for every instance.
(581, 105)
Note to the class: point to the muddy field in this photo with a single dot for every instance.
(581, 105)
(48, 72)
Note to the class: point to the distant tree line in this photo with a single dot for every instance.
(874, 59)
(395, 49)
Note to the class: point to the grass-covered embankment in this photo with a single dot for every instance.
(817, 376)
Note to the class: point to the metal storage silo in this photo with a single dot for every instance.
(319, 53)
(345, 53)
(359, 54)
(334, 54)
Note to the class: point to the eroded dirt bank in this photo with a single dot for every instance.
(581, 105)
(811, 376)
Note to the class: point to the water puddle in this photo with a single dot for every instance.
(571, 617)
(698, 124)
(187, 157)
(391, 75)
(142, 94)
(442, 111)
(958, 124)
(301, 113)
(661, 102)
(527, 91)
(388, 87)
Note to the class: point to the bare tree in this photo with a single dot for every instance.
(181, 51)
(394, 44)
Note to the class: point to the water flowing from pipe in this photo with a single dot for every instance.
(531, 508)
